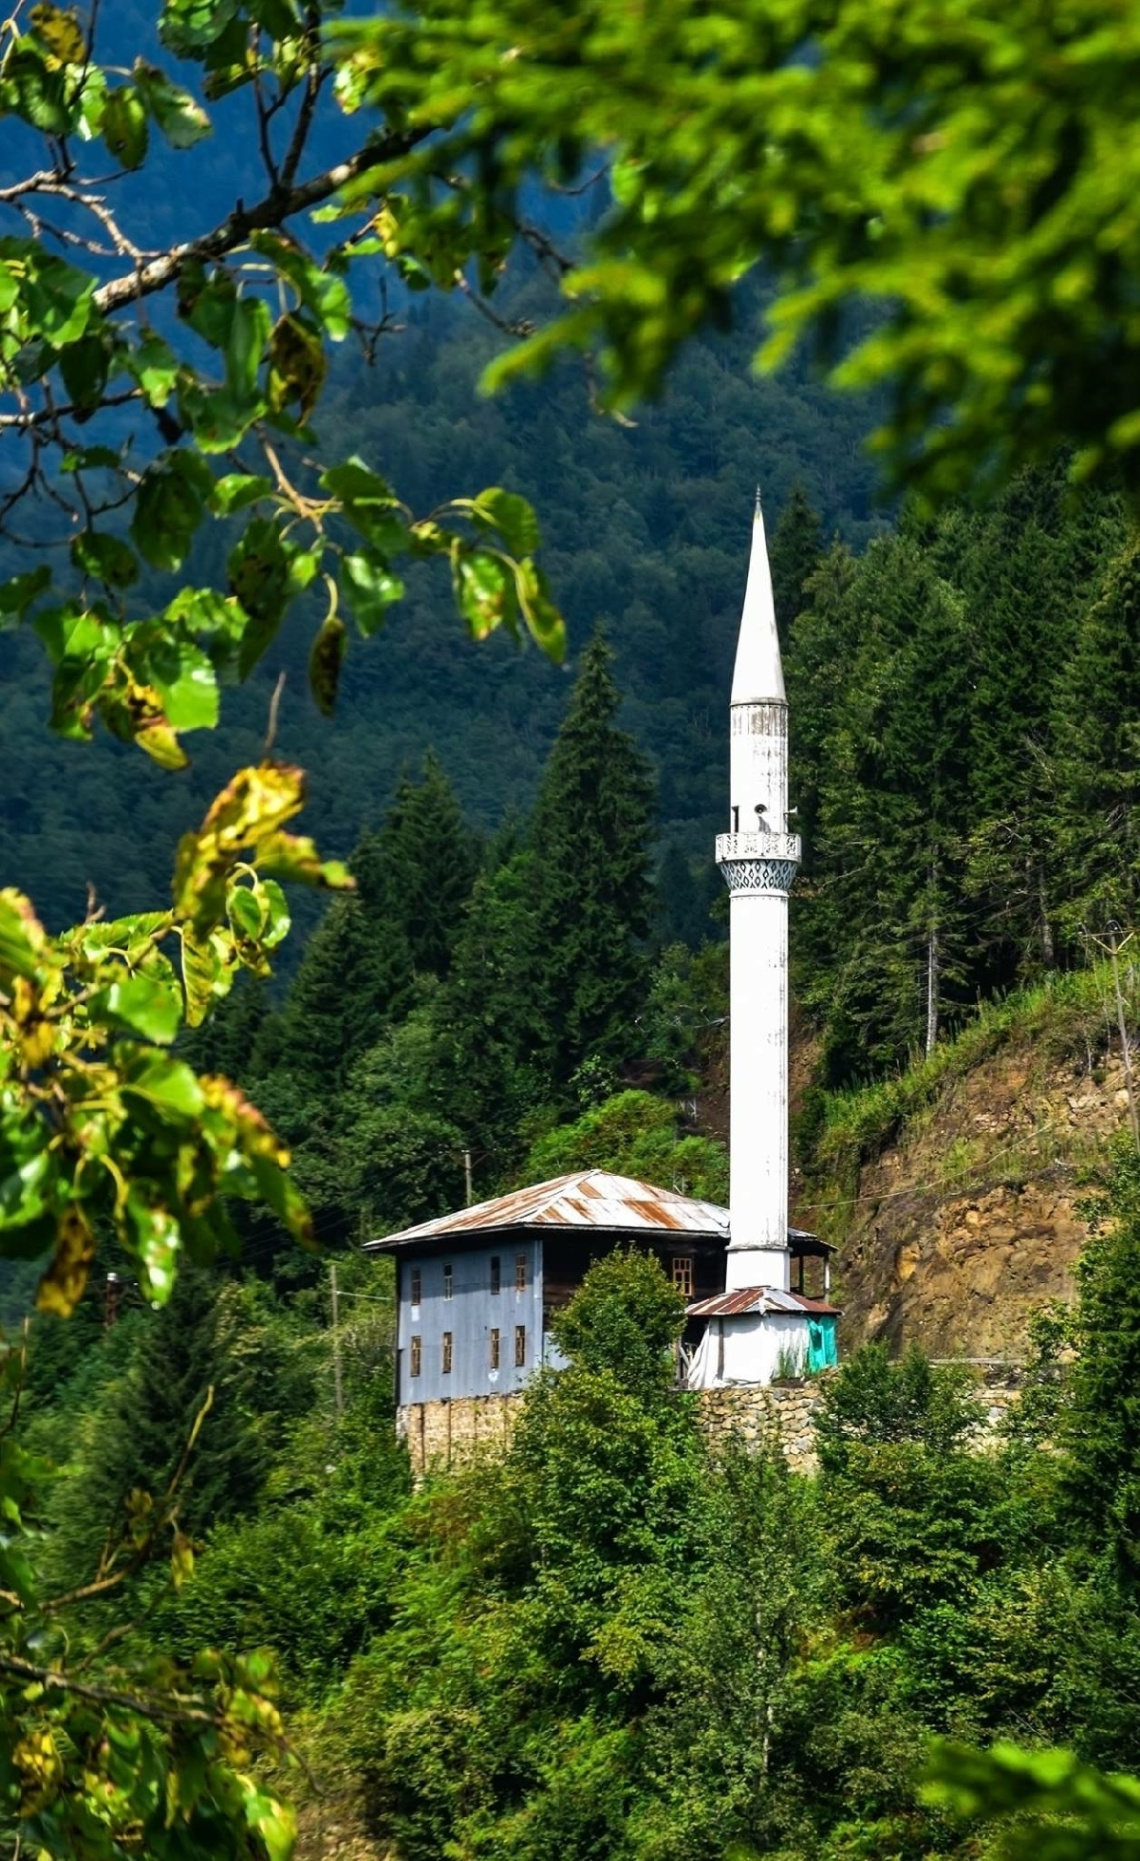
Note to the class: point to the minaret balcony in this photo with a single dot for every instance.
(757, 846)
(758, 862)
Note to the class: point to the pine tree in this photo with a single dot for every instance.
(1095, 817)
(495, 1041)
(795, 553)
(882, 925)
(1027, 568)
(591, 835)
(1099, 1433)
(683, 904)
(429, 857)
(141, 1433)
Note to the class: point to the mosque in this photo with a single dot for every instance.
(476, 1289)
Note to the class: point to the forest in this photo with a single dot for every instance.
(383, 401)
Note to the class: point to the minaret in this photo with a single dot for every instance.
(758, 859)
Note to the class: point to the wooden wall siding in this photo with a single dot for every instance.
(469, 1315)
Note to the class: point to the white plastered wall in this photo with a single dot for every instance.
(757, 1347)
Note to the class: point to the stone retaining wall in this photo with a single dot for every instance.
(451, 1433)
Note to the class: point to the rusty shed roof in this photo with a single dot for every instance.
(756, 1299)
(587, 1199)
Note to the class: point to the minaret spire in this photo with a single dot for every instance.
(758, 858)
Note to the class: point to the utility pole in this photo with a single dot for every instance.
(339, 1385)
(467, 1178)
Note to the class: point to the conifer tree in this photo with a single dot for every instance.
(1027, 569)
(590, 837)
(683, 904)
(883, 922)
(1099, 1431)
(1095, 817)
(795, 553)
(429, 857)
(140, 1435)
(495, 1043)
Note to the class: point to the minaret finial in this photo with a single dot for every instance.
(757, 512)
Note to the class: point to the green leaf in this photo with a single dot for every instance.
(56, 297)
(276, 913)
(237, 489)
(106, 557)
(245, 345)
(85, 366)
(274, 1822)
(367, 502)
(143, 1006)
(244, 912)
(37, 89)
(170, 505)
(323, 292)
(157, 1240)
(370, 589)
(188, 27)
(17, 595)
(542, 617)
(129, 935)
(23, 941)
(168, 1084)
(125, 129)
(259, 569)
(512, 516)
(75, 633)
(91, 459)
(185, 680)
(154, 366)
(325, 661)
(484, 590)
(180, 118)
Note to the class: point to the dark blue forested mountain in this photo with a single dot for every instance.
(645, 529)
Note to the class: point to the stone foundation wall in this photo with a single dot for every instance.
(453, 1433)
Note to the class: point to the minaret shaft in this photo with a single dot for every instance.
(759, 859)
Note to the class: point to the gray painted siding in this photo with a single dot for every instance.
(469, 1315)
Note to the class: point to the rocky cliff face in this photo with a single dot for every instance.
(969, 1219)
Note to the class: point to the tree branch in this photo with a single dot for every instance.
(176, 1709)
(277, 206)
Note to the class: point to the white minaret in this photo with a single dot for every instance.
(758, 859)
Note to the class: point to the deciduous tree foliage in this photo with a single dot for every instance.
(968, 175)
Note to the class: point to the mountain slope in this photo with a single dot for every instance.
(955, 1190)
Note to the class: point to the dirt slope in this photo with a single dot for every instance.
(955, 1228)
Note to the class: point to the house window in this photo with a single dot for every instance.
(417, 1356)
(494, 1349)
(448, 1281)
(520, 1347)
(683, 1274)
(496, 1273)
(520, 1272)
(417, 1286)
(447, 1353)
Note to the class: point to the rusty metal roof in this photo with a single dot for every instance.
(587, 1199)
(758, 1299)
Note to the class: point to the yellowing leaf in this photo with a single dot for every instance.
(60, 31)
(62, 1285)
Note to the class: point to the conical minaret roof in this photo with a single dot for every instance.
(758, 676)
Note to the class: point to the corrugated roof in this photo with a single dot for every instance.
(587, 1199)
(758, 1299)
